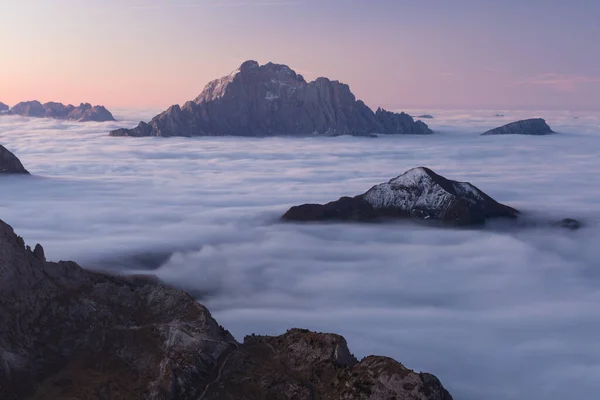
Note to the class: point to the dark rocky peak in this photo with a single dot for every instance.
(9, 163)
(533, 126)
(3, 107)
(249, 65)
(418, 193)
(67, 333)
(29, 109)
(270, 100)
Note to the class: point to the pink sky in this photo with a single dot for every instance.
(397, 54)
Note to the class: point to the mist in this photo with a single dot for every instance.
(502, 312)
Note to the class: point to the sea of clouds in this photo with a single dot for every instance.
(498, 313)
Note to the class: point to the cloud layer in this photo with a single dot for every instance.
(498, 313)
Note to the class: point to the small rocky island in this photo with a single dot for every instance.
(3, 107)
(534, 126)
(85, 112)
(271, 100)
(9, 163)
(425, 116)
(419, 193)
(68, 333)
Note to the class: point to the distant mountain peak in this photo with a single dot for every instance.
(83, 113)
(272, 99)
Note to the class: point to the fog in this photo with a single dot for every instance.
(503, 312)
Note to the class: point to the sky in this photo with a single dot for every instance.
(400, 54)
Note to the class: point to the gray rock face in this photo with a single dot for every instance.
(419, 193)
(9, 163)
(534, 126)
(83, 113)
(3, 107)
(272, 99)
(67, 333)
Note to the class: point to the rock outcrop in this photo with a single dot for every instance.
(534, 126)
(9, 163)
(419, 193)
(3, 107)
(306, 365)
(269, 100)
(83, 113)
(67, 333)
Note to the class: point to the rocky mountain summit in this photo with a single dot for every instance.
(419, 193)
(9, 163)
(534, 126)
(83, 113)
(3, 107)
(272, 99)
(67, 333)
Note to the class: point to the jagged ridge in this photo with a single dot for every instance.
(83, 113)
(272, 99)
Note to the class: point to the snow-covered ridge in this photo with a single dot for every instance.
(420, 188)
(217, 88)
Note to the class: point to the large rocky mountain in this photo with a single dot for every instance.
(272, 99)
(3, 107)
(67, 333)
(533, 126)
(9, 163)
(83, 113)
(418, 193)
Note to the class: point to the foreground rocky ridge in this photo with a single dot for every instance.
(272, 99)
(71, 333)
(9, 163)
(533, 126)
(419, 193)
(85, 112)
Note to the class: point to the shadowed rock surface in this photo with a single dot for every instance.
(304, 365)
(83, 113)
(3, 107)
(9, 163)
(269, 100)
(534, 126)
(418, 193)
(67, 333)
